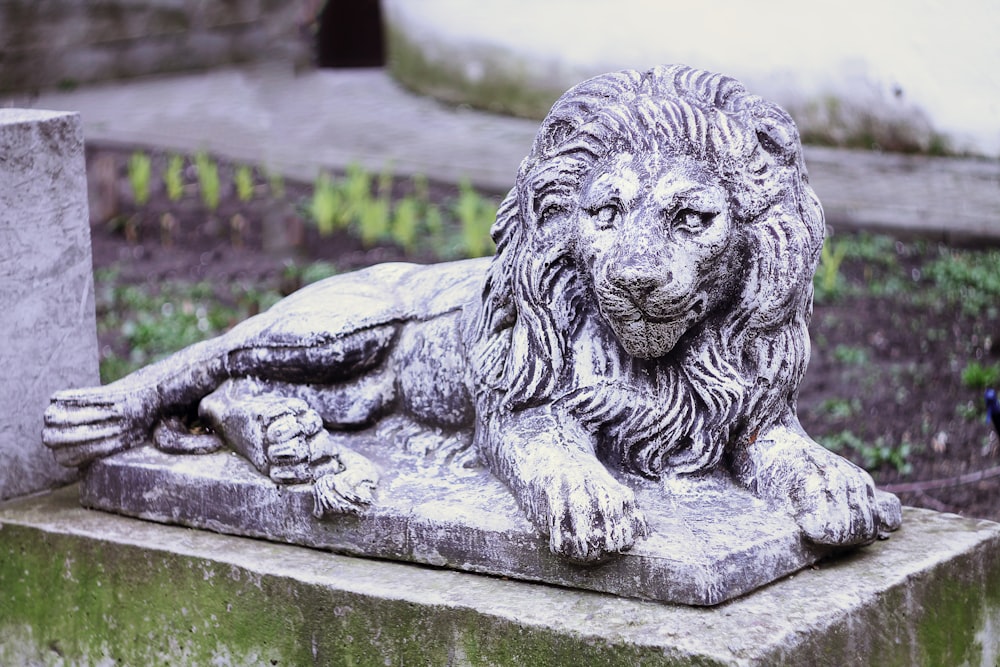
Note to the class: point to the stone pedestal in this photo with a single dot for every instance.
(46, 287)
(84, 587)
(709, 541)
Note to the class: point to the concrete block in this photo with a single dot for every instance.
(85, 587)
(46, 287)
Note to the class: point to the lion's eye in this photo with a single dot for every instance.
(605, 216)
(690, 220)
(551, 211)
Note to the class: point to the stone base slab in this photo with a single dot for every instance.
(710, 541)
(85, 587)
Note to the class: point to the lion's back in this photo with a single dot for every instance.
(391, 293)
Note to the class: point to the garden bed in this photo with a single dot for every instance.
(903, 330)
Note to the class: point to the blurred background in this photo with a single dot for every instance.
(916, 75)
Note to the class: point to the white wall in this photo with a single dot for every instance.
(930, 63)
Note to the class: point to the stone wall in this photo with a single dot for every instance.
(48, 43)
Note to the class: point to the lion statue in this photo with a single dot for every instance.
(645, 314)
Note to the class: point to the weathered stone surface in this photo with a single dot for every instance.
(85, 587)
(710, 541)
(46, 287)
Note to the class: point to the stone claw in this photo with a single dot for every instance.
(836, 502)
(82, 425)
(347, 492)
(289, 427)
(591, 516)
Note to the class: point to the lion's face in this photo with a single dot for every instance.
(658, 240)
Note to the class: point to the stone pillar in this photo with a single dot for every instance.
(48, 334)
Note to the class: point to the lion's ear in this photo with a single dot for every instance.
(776, 131)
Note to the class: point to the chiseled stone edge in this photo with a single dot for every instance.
(85, 587)
(708, 546)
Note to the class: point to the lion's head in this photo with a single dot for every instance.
(653, 235)
(653, 269)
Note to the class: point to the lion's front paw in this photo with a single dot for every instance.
(590, 515)
(82, 425)
(836, 502)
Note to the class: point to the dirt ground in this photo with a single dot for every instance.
(884, 384)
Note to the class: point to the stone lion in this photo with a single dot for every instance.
(645, 314)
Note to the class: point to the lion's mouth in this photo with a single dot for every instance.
(662, 312)
(677, 311)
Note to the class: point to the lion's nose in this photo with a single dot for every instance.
(640, 280)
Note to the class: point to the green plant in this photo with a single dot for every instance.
(977, 376)
(173, 177)
(243, 180)
(151, 321)
(140, 169)
(969, 411)
(357, 191)
(840, 408)
(476, 215)
(373, 221)
(828, 282)
(850, 355)
(969, 280)
(373, 215)
(869, 248)
(405, 218)
(208, 180)
(873, 456)
(325, 205)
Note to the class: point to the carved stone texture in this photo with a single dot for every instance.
(645, 317)
(46, 287)
(711, 542)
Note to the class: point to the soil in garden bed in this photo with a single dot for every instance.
(892, 383)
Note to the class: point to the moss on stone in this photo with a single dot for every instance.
(960, 612)
(83, 601)
(500, 86)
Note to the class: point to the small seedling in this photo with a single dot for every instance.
(325, 205)
(373, 223)
(173, 178)
(208, 180)
(828, 279)
(243, 179)
(357, 192)
(404, 223)
(139, 172)
(476, 214)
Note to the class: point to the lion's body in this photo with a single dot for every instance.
(647, 309)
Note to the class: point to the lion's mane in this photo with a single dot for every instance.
(728, 380)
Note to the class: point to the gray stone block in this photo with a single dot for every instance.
(46, 287)
(85, 587)
(710, 541)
